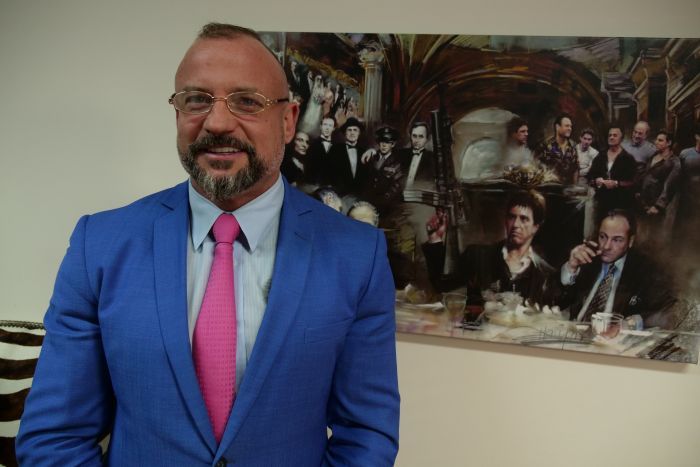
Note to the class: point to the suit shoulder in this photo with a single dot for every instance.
(143, 208)
(481, 249)
(640, 263)
(542, 264)
(328, 222)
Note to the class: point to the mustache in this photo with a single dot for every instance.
(204, 143)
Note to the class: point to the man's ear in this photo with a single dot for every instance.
(291, 115)
(631, 241)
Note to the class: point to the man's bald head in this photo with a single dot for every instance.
(225, 31)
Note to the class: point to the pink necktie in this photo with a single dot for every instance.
(214, 340)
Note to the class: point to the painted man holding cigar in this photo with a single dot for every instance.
(608, 275)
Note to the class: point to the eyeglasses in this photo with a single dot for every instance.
(242, 103)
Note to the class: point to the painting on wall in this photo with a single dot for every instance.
(540, 191)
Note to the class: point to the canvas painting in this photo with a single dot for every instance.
(539, 191)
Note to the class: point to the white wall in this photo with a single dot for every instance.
(85, 126)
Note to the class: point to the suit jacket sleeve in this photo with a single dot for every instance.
(70, 405)
(363, 408)
(670, 184)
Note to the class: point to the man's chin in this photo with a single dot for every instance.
(513, 243)
(219, 165)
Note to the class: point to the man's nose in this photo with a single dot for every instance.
(220, 120)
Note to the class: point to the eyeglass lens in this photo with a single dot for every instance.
(197, 102)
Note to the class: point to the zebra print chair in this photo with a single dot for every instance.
(20, 344)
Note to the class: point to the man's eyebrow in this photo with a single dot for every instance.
(194, 88)
(232, 90)
(243, 89)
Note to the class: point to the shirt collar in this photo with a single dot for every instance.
(619, 264)
(255, 217)
(530, 252)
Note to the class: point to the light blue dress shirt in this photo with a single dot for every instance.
(254, 257)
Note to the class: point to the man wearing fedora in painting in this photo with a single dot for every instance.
(347, 174)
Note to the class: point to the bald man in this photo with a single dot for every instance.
(638, 146)
(189, 324)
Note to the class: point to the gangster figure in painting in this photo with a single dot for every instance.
(510, 265)
(608, 275)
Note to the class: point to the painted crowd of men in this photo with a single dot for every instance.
(635, 174)
(632, 184)
(602, 275)
(377, 175)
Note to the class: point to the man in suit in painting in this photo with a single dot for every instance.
(417, 163)
(346, 172)
(509, 265)
(200, 345)
(609, 275)
(319, 151)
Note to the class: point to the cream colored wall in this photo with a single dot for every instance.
(85, 126)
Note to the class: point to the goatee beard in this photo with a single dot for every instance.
(225, 187)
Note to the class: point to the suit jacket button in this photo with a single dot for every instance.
(222, 463)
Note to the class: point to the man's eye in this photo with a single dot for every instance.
(247, 103)
(197, 99)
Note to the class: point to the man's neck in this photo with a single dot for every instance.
(665, 154)
(244, 197)
(518, 251)
(562, 141)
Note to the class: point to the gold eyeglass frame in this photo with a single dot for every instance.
(268, 102)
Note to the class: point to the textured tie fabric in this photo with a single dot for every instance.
(600, 299)
(214, 340)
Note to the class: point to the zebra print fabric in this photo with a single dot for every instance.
(20, 344)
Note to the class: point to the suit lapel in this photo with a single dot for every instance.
(170, 264)
(288, 281)
(624, 289)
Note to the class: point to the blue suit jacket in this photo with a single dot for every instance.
(117, 356)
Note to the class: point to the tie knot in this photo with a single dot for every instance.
(225, 228)
(611, 269)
